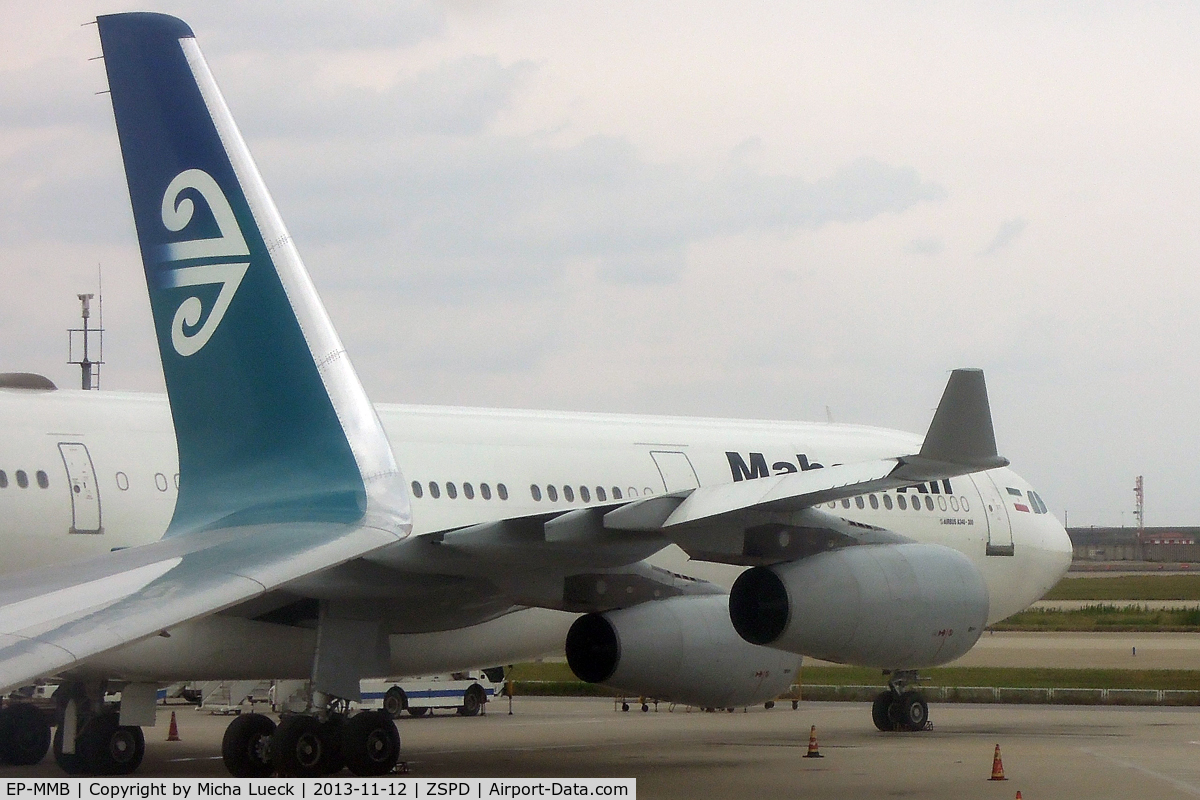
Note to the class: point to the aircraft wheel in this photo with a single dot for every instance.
(246, 746)
(302, 747)
(910, 711)
(418, 712)
(879, 711)
(371, 744)
(24, 735)
(394, 702)
(107, 747)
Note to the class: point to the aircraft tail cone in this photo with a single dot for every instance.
(997, 767)
(173, 731)
(813, 750)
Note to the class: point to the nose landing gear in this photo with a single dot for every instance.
(899, 708)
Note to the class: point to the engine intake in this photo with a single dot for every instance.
(683, 649)
(893, 606)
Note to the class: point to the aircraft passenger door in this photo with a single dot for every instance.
(1000, 541)
(85, 494)
(675, 469)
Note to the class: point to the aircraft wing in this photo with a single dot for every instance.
(960, 440)
(53, 617)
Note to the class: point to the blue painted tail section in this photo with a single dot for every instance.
(259, 387)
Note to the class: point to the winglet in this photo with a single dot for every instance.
(961, 434)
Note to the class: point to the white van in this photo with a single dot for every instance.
(465, 692)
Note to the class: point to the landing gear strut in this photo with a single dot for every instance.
(900, 708)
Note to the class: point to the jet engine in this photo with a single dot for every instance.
(682, 649)
(892, 606)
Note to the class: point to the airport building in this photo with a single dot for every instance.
(1159, 545)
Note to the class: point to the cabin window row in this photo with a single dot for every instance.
(160, 481)
(902, 502)
(468, 490)
(602, 494)
(21, 478)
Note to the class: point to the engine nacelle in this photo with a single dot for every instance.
(683, 649)
(892, 606)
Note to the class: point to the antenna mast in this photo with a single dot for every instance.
(1139, 510)
(81, 339)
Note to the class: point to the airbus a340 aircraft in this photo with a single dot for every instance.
(272, 523)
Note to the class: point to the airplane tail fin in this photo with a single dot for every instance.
(272, 422)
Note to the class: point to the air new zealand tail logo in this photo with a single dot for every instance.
(222, 255)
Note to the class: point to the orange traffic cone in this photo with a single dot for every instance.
(1018, 794)
(813, 751)
(997, 767)
(173, 731)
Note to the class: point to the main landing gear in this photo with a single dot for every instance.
(900, 708)
(307, 746)
(24, 734)
(90, 739)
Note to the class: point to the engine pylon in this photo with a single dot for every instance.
(997, 767)
(813, 750)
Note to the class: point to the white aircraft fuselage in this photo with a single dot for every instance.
(110, 468)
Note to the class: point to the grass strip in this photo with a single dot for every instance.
(1128, 587)
(1104, 617)
(555, 678)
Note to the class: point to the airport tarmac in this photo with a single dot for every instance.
(1048, 751)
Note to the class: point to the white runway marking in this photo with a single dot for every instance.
(1120, 762)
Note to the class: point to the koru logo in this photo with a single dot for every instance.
(177, 212)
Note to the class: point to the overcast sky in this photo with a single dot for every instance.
(754, 210)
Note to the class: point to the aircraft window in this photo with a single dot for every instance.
(535, 491)
(502, 491)
(469, 491)
(416, 489)
(122, 481)
(3, 479)
(22, 479)
(887, 502)
(833, 504)
(1013, 492)
(451, 490)
(901, 502)
(953, 503)
(434, 491)
(845, 502)
(647, 491)
(600, 495)
(632, 492)
(485, 491)
(177, 480)
(929, 502)
(552, 493)
(616, 493)
(874, 501)
(962, 501)
(1038, 506)
(584, 494)
(160, 481)
(916, 504)
(942, 502)
(858, 501)
(43, 479)
(568, 494)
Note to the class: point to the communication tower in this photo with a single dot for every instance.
(80, 340)
(1139, 509)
